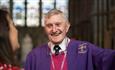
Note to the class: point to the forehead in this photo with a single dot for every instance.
(55, 18)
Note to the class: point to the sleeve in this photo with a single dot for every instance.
(30, 62)
(104, 59)
(109, 60)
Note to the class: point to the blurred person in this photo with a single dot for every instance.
(8, 42)
(26, 47)
(63, 53)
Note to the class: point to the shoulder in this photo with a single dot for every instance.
(84, 47)
(79, 43)
(38, 50)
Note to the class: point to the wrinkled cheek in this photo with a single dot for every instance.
(49, 36)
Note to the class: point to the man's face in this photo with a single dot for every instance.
(56, 28)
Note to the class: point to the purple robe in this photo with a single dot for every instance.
(80, 56)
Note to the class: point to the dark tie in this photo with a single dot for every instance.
(56, 48)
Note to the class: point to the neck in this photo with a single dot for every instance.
(62, 45)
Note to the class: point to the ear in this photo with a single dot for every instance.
(67, 26)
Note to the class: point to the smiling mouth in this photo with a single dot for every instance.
(56, 33)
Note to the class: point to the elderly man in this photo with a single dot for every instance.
(63, 53)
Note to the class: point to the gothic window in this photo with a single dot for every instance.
(4, 4)
(30, 13)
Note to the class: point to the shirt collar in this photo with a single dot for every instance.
(62, 45)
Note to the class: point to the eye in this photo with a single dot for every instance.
(58, 24)
(49, 25)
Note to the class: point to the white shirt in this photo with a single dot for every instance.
(62, 45)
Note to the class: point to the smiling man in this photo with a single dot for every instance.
(63, 53)
(56, 26)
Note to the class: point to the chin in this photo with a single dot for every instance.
(57, 41)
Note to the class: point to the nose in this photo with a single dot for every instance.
(54, 29)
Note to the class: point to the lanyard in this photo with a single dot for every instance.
(62, 64)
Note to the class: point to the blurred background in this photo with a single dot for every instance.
(91, 20)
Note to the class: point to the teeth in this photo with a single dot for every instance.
(56, 33)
